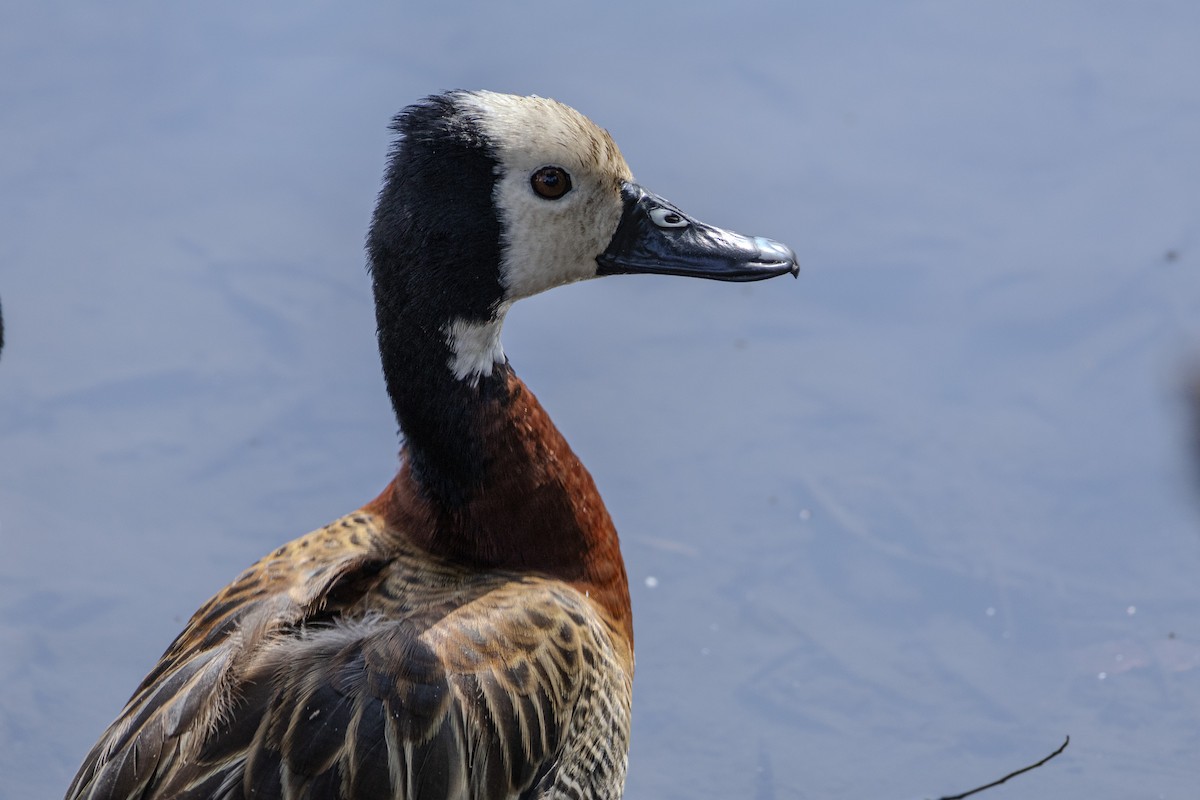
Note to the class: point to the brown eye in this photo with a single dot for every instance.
(551, 182)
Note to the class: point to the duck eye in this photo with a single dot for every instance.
(551, 182)
(666, 218)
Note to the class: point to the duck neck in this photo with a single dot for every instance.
(446, 380)
(487, 479)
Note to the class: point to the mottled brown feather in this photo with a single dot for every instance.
(404, 651)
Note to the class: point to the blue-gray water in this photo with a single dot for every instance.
(892, 530)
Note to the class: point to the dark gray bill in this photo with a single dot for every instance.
(654, 236)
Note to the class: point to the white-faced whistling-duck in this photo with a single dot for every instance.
(466, 634)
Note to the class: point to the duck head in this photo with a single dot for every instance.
(489, 198)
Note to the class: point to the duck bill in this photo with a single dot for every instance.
(654, 236)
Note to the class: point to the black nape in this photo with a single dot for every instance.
(434, 249)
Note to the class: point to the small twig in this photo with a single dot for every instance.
(1062, 747)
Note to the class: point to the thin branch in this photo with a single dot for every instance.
(1062, 747)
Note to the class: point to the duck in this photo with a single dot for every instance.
(468, 633)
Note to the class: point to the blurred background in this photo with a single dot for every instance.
(892, 530)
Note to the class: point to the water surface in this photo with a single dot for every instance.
(892, 530)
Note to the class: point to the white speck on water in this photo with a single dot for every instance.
(1131, 610)
(1119, 657)
(805, 515)
(991, 612)
(714, 627)
(651, 581)
(704, 651)
(1102, 675)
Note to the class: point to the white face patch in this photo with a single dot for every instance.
(474, 347)
(548, 243)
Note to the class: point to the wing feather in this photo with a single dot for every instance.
(372, 684)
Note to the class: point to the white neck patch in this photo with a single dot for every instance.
(475, 348)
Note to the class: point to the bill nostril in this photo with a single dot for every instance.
(666, 218)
